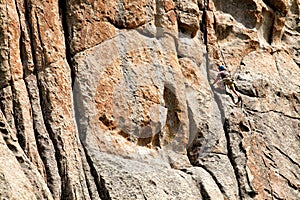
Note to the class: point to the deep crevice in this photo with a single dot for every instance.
(17, 116)
(277, 6)
(39, 87)
(203, 24)
(226, 128)
(44, 97)
(218, 102)
(24, 60)
(222, 112)
(220, 186)
(98, 179)
(63, 11)
(203, 192)
(89, 186)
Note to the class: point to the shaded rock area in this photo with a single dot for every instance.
(114, 99)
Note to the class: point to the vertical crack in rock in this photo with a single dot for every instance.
(45, 145)
(18, 120)
(56, 142)
(17, 106)
(11, 84)
(243, 190)
(30, 29)
(207, 64)
(90, 179)
(99, 180)
(203, 192)
(231, 156)
(194, 132)
(23, 61)
(203, 25)
(218, 100)
(219, 104)
(35, 187)
(6, 90)
(68, 190)
(220, 186)
(21, 104)
(63, 15)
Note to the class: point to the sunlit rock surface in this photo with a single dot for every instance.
(114, 99)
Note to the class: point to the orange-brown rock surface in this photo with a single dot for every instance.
(114, 99)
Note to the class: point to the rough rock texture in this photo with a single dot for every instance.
(113, 99)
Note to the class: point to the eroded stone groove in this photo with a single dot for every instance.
(51, 66)
(63, 9)
(43, 140)
(173, 122)
(99, 181)
(220, 186)
(203, 24)
(197, 159)
(231, 157)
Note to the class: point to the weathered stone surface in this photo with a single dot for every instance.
(88, 24)
(153, 95)
(266, 74)
(113, 99)
(128, 179)
(19, 176)
(188, 16)
(209, 189)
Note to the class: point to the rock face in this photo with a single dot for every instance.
(114, 99)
